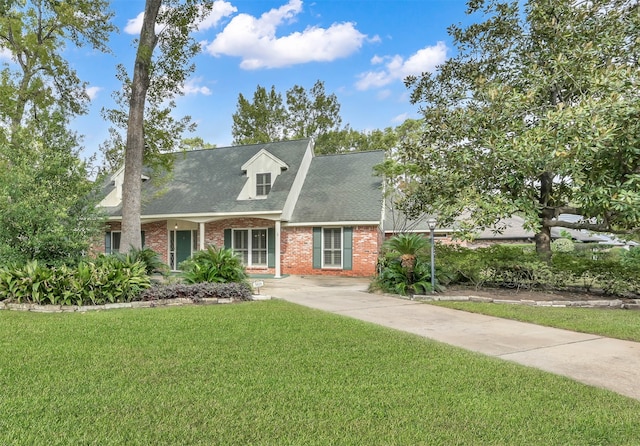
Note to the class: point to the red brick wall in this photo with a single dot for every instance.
(214, 235)
(296, 245)
(156, 237)
(297, 252)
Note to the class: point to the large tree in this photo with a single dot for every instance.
(261, 120)
(312, 114)
(167, 26)
(47, 204)
(35, 34)
(536, 115)
(307, 114)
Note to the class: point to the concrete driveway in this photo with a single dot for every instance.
(595, 360)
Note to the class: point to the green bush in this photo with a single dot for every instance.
(458, 265)
(105, 280)
(562, 245)
(405, 266)
(148, 257)
(631, 258)
(395, 278)
(217, 265)
(588, 268)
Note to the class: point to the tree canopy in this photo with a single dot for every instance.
(36, 33)
(536, 115)
(307, 114)
(47, 204)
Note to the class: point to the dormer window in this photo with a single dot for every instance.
(263, 184)
(262, 170)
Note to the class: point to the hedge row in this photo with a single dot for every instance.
(610, 271)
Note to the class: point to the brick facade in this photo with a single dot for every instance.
(214, 235)
(296, 248)
(297, 252)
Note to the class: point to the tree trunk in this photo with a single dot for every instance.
(134, 152)
(543, 238)
(543, 243)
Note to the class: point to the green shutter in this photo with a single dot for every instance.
(347, 248)
(107, 242)
(317, 248)
(271, 247)
(227, 238)
(142, 238)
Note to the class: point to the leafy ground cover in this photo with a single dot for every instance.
(276, 373)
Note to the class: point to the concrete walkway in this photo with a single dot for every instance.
(594, 360)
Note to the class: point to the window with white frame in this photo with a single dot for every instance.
(263, 184)
(251, 246)
(112, 242)
(332, 247)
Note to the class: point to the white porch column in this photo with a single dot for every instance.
(201, 236)
(277, 272)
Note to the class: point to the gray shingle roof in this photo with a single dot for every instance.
(341, 188)
(209, 181)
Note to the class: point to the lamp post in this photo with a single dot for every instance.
(432, 226)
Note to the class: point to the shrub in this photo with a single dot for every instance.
(631, 258)
(395, 278)
(458, 265)
(562, 245)
(198, 291)
(406, 247)
(217, 265)
(106, 280)
(148, 257)
(31, 282)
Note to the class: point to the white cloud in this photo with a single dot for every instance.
(255, 40)
(401, 118)
(134, 26)
(192, 87)
(221, 9)
(397, 68)
(92, 92)
(5, 54)
(377, 60)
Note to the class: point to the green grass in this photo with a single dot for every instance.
(612, 323)
(274, 373)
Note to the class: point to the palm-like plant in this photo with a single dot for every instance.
(406, 247)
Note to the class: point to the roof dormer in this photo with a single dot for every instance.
(114, 198)
(261, 171)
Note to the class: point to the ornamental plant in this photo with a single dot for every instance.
(213, 264)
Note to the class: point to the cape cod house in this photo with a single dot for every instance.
(282, 209)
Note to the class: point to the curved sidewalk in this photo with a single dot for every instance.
(595, 360)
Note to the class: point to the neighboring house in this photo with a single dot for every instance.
(282, 209)
(511, 231)
(514, 232)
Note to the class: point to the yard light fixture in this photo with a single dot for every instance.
(432, 226)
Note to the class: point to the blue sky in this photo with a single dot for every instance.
(361, 49)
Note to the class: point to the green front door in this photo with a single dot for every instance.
(183, 246)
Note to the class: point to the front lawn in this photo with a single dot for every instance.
(277, 373)
(612, 323)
